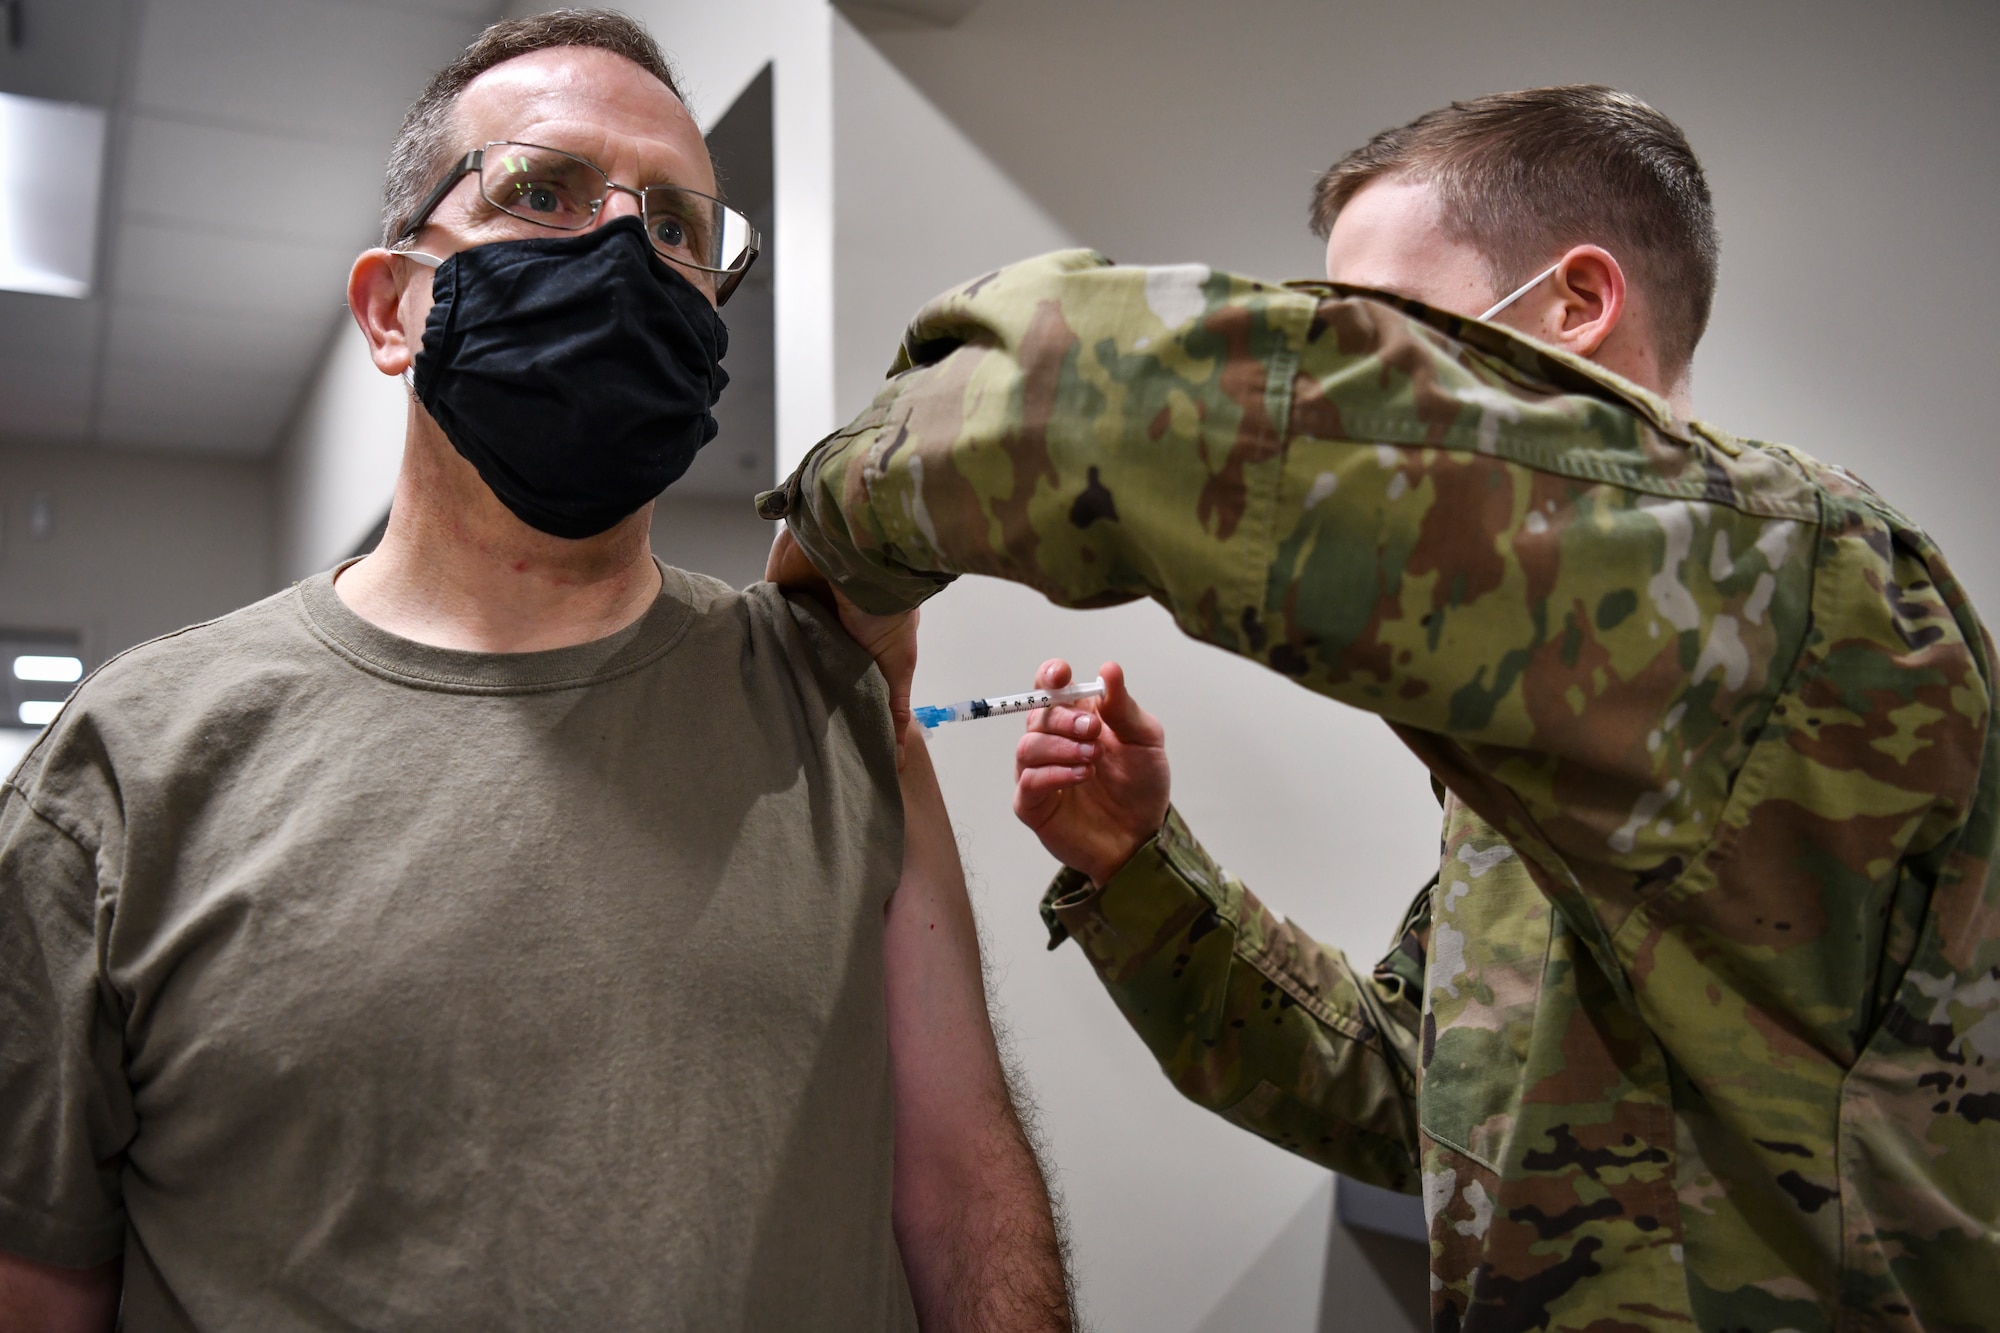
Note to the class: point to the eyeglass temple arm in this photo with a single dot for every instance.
(470, 162)
(734, 278)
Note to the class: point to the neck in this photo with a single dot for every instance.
(1675, 389)
(1679, 394)
(1636, 361)
(456, 569)
(1629, 350)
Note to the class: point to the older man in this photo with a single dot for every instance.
(1698, 1024)
(505, 930)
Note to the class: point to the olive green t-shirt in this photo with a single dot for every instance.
(348, 982)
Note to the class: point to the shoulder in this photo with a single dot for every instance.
(792, 636)
(797, 641)
(201, 661)
(128, 715)
(810, 630)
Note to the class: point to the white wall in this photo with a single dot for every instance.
(1853, 156)
(335, 468)
(1170, 1207)
(1852, 149)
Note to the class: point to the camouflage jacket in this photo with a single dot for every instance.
(1701, 1018)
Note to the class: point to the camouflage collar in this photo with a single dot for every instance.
(1537, 360)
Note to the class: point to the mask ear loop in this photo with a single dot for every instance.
(409, 376)
(1512, 296)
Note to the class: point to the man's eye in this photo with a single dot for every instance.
(539, 198)
(669, 232)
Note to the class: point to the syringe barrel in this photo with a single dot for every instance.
(997, 705)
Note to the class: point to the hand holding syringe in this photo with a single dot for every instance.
(1000, 704)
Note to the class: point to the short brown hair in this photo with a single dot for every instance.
(424, 148)
(1522, 175)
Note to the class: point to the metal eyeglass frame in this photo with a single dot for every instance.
(474, 162)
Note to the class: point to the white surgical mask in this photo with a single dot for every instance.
(1522, 290)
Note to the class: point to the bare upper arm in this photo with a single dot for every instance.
(947, 1064)
(42, 1298)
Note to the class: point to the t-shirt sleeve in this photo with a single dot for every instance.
(65, 1106)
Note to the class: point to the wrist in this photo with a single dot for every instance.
(1103, 869)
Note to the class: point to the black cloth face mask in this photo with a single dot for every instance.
(575, 373)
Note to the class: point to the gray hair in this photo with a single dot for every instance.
(424, 147)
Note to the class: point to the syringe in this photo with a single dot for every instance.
(1009, 703)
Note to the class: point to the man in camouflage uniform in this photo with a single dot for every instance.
(1699, 1023)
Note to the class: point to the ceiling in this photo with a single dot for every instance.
(244, 174)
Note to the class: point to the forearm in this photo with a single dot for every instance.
(977, 1228)
(1247, 1014)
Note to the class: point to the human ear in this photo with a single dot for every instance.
(375, 298)
(1589, 300)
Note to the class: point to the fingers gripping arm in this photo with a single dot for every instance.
(890, 639)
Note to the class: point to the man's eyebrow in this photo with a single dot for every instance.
(653, 182)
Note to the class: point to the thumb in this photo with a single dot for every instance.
(788, 567)
(1121, 712)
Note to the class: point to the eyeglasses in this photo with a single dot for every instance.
(551, 188)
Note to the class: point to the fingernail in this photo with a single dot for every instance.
(1083, 725)
(1087, 750)
(1080, 773)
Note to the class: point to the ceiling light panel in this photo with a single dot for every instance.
(51, 178)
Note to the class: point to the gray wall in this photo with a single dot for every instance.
(711, 535)
(139, 544)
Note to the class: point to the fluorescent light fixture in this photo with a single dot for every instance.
(51, 176)
(39, 712)
(63, 669)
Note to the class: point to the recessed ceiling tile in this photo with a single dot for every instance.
(230, 183)
(335, 72)
(68, 51)
(187, 267)
(215, 411)
(166, 337)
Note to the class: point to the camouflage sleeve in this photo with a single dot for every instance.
(1248, 1015)
(1575, 609)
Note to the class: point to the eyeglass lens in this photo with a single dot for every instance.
(554, 189)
